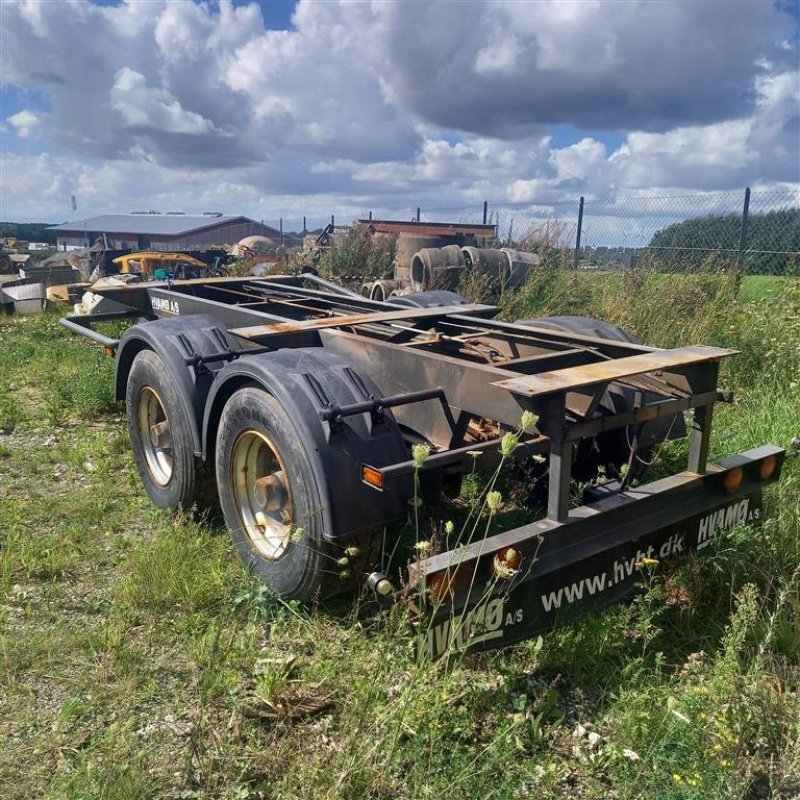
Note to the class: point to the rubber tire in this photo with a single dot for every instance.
(183, 489)
(308, 570)
(435, 299)
(584, 326)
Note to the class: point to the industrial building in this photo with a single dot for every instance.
(152, 231)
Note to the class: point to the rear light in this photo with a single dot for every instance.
(767, 467)
(441, 585)
(733, 479)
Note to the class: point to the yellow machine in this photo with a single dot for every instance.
(157, 265)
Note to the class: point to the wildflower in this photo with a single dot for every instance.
(494, 500)
(505, 567)
(449, 527)
(509, 443)
(343, 561)
(631, 755)
(724, 762)
(528, 422)
(648, 562)
(352, 551)
(473, 453)
(296, 534)
(423, 549)
(677, 778)
(419, 454)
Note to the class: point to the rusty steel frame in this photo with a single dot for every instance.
(486, 369)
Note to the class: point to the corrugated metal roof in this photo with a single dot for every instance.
(165, 224)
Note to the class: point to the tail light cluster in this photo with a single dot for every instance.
(761, 470)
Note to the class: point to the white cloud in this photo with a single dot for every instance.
(364, 105)
(147, 107)
(24, 122)
(763, 146)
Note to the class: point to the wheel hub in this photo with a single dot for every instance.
(155, 435)
(262, 498)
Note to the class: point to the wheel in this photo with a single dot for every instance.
(435, 299)
(585, 326)
(160, 434)
(271, 499)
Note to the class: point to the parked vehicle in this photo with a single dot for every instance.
(160, 266)
(301, 403)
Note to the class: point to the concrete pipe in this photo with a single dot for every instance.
(409, 243)
(486, 260)
(436, 268)
(519, 265)
(381, 290)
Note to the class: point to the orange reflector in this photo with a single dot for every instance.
(372, 476)
(766, 468)
(733, 479)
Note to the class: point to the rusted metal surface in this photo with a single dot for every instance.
(430, 228)
(587, 375)
(396, 369)
(256, 331)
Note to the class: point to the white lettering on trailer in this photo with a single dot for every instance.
(165, 306)
(621, 570)
(718, 522)
(483, 623)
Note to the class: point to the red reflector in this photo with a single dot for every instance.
(109, 351)
(372, 476)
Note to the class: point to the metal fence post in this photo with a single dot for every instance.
(578, 236)
(485, 211)
(332, 222)
(743, 232)
(417, 213)
(305, 230)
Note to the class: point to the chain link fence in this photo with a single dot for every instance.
(758, 232)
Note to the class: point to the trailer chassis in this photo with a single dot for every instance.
(457, 379)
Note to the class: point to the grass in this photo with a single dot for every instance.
(138, 659)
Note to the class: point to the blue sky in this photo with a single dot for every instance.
(282, 108)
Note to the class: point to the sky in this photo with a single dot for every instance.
(283, 109)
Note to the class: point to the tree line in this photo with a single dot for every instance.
(772, 242)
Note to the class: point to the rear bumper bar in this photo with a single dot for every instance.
(515, 584)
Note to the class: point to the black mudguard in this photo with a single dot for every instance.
(305, 381)
(175, 341)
